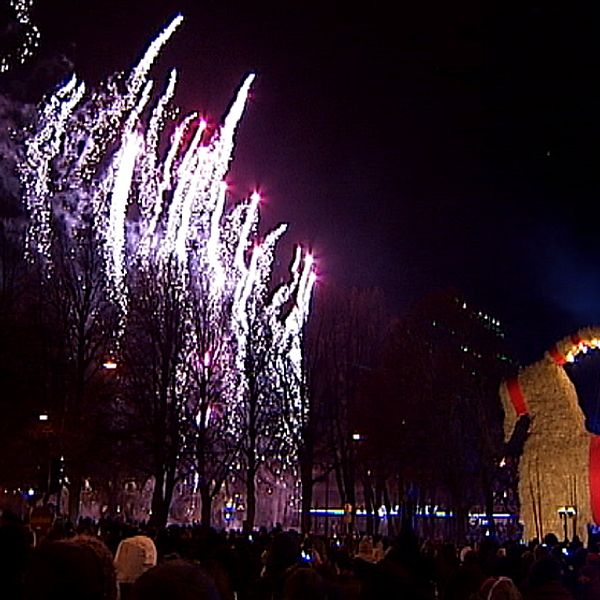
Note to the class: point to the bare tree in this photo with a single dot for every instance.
(260, 412)
(212, 447)
(154, 358)
(441, 370)
(80, 320)
(346, 335)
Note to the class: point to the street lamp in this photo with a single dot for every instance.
(566, 513)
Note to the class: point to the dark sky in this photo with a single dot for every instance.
(440, 144)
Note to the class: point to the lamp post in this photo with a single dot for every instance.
(566, 513)
(572, 514)
(562, 512)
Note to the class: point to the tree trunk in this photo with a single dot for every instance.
(378, 501)
(489, 506)
(306, 480)
(74, 497)
(160, 508)
(112, 499)
(388, 510)
(460, 520)
(371, 515)
(349, 484)
(340, 482)
(250, 499)
(169, 487)
(206, 509)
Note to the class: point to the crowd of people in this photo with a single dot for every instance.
(109, 560)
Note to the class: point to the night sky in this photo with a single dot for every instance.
(439, 145)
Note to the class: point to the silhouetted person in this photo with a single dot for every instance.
(545, 581)
(499, 588)
(467, 580)
(402, 573)
(304, 583)
(15, 547)
(79, 568)
(175, 579)
(282, 556)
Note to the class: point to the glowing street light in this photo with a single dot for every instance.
(110, 364)
(43, 417)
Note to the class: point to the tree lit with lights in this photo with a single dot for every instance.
(172, 241)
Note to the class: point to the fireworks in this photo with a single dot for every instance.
(31, 36)
(102, 151)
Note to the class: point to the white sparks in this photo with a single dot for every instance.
(115, 234)
(34, 171)
(31, 36)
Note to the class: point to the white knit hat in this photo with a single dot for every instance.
(134, 556)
